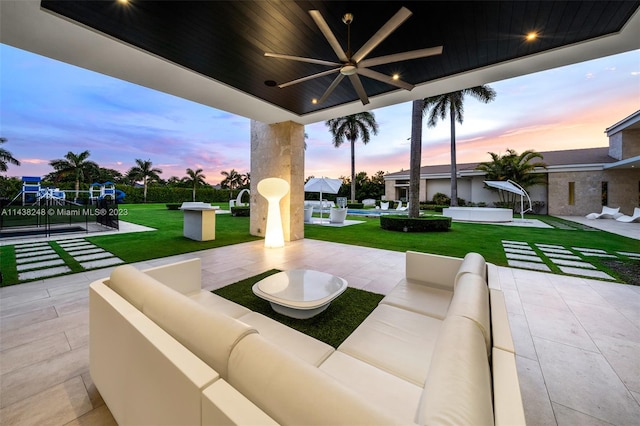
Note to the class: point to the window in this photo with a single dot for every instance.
(572, 193)
(604, 194)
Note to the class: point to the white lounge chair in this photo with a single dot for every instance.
(629, 219)
(401, 208)
(607, 213)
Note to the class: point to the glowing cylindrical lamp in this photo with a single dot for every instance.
(273, 189)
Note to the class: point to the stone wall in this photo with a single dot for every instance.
(622, 191)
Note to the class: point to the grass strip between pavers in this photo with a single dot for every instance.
(332, 326)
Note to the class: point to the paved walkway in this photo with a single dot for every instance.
(577, 339)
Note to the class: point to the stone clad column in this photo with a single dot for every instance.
(277, 150)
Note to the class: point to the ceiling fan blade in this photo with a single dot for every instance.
(384, 78)
(309, 77)
(331, 87)
(301, 59)
(404, 56)
(328, 34)
(393, 23)
(357, 84)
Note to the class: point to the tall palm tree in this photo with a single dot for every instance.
(6, 157)
(195, 179)
(515, 167)
(75, 165)
(144, 172)
(232, 180)
(452, 103)
(417, 109)
(351, 128)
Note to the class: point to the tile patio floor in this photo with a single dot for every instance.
(577, 340)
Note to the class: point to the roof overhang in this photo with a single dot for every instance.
(629, 163)
(25, 25)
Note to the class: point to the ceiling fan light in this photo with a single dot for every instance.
(348, 70)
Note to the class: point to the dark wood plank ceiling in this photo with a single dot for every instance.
(226, 40)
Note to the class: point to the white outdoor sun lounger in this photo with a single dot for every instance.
(629, 219)
(607, 213)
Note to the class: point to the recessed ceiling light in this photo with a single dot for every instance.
(270, 83)
(395, 76)
(123, 1)
(314, 101)
(532, 36)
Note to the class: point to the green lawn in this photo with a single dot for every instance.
(461, 239)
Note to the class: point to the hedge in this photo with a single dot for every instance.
(241, 211)
(419, 224)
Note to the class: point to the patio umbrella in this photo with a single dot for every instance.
(330, 186)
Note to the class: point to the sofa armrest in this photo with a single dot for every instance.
(500, 330)
(184, 277)
(222, 404)
(432, 269)
(507, 400)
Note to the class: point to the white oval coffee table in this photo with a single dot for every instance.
(300, 293)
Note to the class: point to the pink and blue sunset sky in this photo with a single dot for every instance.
(49, 108)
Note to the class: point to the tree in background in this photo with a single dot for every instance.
(351, 128)
(515, 167)
(144, 171)
(194, 179)
(75, 165)
(6, 157)
(452, 104)
(232, 180)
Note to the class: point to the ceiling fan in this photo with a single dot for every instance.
(353, 65)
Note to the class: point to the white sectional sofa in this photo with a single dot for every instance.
(436, 350)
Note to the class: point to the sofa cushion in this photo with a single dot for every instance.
(500, 330)
(299, 344)
(395, 340)
(392, 394)
(208, 334)
(293, 392)
(473, 263)
(471, 300)
(458, 388)
(132, 284)
(418, 297)
(219, 304)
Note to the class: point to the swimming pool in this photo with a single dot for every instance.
(372, 212)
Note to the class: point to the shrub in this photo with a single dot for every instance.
(419, 224)
(438, 208)
(355, 205)
(241, 211)
(173, 206)
(441, 199)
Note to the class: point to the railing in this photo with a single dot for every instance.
(54, 217)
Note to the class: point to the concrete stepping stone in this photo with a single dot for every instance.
(599, 255)
(101, 263)
(554, 250)
(573, 263)
(85, 251)
(33, 249)
(71, 243)
(629, 254)
(520, 243)
(551, 246)
(37, 258)
(515, 256)
(77, 246)
(553, 256)
(529, 265)
(586, 272)
(35, 253)
(25, 245)
(589, 250)
(94, 256)
(36, 265)
(41, 273)
(519, 251)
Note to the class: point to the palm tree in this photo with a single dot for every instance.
(515, 167)
(417, 110)
(195, 179)
(75, 165)
(6, 157)
(353, 127)
(144, 172)
(231, 181)
(452, 103)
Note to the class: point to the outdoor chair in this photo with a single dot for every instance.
(629, 219)
(607, 213)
